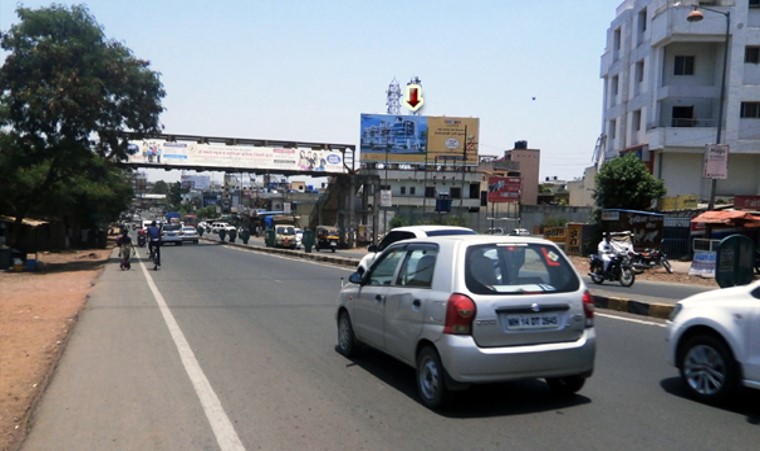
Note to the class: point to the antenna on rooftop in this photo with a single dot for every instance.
(394, 96)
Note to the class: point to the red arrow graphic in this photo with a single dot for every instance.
(413, 100)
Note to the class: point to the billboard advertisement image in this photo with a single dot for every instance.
(194, 154)
(418, 139)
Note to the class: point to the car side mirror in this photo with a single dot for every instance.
(372, 248)
(355, 278)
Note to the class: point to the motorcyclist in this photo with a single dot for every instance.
(154, 242)
(126, 248)
(606, 251)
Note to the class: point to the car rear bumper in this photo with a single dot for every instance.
(466, 362)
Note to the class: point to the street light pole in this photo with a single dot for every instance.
(695, 16)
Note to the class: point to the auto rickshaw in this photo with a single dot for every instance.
(326, 238)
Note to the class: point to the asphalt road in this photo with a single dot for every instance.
(229, 349)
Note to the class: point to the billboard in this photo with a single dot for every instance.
(504, 189)
(192, 154)
(418, 139)
(199, 182)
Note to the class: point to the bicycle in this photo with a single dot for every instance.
(155, 254)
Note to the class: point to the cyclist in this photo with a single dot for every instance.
(154, 244)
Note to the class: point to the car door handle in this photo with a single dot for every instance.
(378, 298)
(416, 303)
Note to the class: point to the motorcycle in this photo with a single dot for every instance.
(141, 240)
(620, 269)
(650, 259)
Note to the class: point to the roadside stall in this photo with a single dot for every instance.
(710, 227)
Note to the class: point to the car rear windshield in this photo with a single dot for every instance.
(171, 227)
(518, 269)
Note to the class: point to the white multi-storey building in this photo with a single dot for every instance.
(662, 90)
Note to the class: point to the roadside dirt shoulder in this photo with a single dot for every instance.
(37, 311)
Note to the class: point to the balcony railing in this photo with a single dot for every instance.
(682, 123)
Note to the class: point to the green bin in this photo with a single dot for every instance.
(308, 240)
(269, 238)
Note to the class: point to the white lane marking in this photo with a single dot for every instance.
(220, 423)
(631, 320)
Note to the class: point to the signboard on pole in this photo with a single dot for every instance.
(716, 161)
(504, 189)
(386, 198)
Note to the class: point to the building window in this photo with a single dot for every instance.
(752, 54)
(615, 83)
(613, 129)
(754, 3)
(640, 71)
(430, 192)
(750, 110)
(456, 192)
(683, 116)
(474, 190)
(412, 190)
(618, 39)
(402, 190)
(642, 21)
(637, 120)
(684, 65)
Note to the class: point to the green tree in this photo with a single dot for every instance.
(625, 182)
(161, 187)
(67, 97)
(174, 196)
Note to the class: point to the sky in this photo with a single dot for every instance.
(305, 70)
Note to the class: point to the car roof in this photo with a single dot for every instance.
(479, 239)
(428, 228)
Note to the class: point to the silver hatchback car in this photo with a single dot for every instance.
(474, 309)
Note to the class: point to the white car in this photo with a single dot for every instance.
(714, 340)
(478, 309)
(405, 233)
(217, 226)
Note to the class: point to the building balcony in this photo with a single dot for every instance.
(681, 133)
(669, 24)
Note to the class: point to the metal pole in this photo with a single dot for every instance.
(719, 126)
(385, 209)
(464, 164)
(714, 181)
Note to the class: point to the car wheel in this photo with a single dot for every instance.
(431, 380)
(566, 386)
(627, 277)
(708, 369)
(347, 344)
(179, 243)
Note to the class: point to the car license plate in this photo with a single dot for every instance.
(538, 321)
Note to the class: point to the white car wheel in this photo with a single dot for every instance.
(708, 369)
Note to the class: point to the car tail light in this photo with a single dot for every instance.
(460, 312)
(588, 308)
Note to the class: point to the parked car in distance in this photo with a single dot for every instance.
(466, 310)
(189, 234)
(520, 232)
(714, 340)
(405, 233)
(217, 226)
(170, 234)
